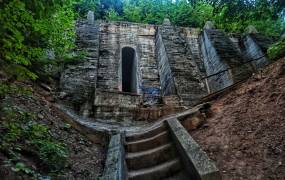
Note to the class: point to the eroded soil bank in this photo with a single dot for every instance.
(246, 133)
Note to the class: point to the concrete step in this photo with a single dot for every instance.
(148, 143)
(182, 175)
(146, 134)
(160, 171)
(150, 157)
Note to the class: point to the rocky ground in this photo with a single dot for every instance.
(85, 158)
(246, 133)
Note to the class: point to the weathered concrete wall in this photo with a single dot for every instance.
(166, 77)
(256, 46)
(109, 98)
(169, 65)
(191, 35)
(77, 83)
(113, 37)
(110, 105)
(187, 77)
(219, 53)
(213, 65)
(236, 40)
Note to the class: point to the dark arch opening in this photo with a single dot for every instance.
(129, 70)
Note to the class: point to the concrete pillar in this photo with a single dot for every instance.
(166, 22)
(86, 110)
(251, 29)
(209, 25)
(90, 17)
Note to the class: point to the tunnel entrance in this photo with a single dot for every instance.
(129, 70)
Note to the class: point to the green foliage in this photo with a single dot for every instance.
(18, 72)
(22, 167)
(277, 50)
(20, 129)
(186, 14)
(58, 31)
(182, 14)
(112, 15)
(53, 154)
(28, 29)
(88, 5)
(105, 5)
(237, 15)
(14, 89)
(233, 16)
(100, 8)
(133, 13)
(14, 21)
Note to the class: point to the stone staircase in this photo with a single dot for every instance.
(164, 150)
(152, 155)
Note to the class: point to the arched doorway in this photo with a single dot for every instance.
(129, 70)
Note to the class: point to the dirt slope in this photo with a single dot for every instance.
(246, 134)
(85, 159)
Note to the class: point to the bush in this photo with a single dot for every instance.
(277, 50)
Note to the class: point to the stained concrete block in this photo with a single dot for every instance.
(194, 158)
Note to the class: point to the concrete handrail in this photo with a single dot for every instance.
(196, 161)
(115, 163)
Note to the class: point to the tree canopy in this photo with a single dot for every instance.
(29, 29)
(232, 15)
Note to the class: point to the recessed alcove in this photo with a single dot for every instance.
(129, 70)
